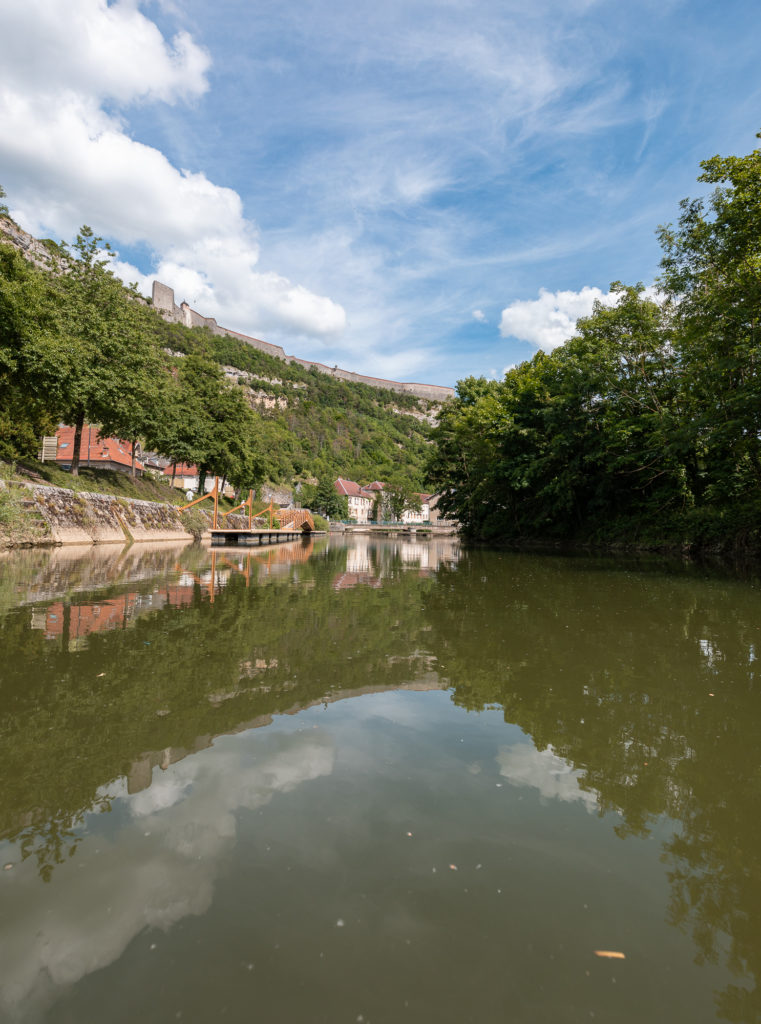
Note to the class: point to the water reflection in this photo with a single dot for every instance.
(623, 694)
(160, 868)
(364, 566)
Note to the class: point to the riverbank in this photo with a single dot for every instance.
(734, 538)
(33, 515)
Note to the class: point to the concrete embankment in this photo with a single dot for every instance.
(60, 516)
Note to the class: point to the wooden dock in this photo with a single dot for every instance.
(252, 538)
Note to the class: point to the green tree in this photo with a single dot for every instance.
(30, 332)
(328, 502)
(223, 433)
(711, 270)
(110, 364)
(399, 497)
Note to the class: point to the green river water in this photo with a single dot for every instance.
(377, 781)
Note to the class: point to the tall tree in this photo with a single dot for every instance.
(112, 361)
(30, 355)
(712, 273)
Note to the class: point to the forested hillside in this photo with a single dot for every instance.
(77, 346)
(646, 426)
(312, 424)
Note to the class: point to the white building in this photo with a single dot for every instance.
(360, 500)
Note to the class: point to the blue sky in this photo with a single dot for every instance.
(421, 190)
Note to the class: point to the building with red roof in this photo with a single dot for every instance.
(96, 451)
(185, 476)
(360, 499)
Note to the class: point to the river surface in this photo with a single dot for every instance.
(375, 782)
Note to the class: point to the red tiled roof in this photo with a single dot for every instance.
(94, 448)
(183, 469)
(351, 489)
(376, 485)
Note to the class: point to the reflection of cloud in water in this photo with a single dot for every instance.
(161, 868)
(523, 765)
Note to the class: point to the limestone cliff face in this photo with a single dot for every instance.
(35, 251)
(163, 301)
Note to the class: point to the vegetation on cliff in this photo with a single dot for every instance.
(646, 426)
(77, 346)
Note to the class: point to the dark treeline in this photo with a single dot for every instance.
(76, 346)
(644, 427)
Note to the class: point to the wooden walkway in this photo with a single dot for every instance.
(253, 538)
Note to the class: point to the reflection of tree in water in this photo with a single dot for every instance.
(75, 718)
(612, 670)
(645, 684)
(53, 840)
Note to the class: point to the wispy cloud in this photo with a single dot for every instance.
(346, 180)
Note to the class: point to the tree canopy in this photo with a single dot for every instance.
(643, 427)
(78, 346)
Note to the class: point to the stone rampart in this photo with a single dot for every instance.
(163, 301)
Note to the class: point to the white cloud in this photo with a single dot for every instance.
(555, 779)
(91, 48)
(66, 160)
(161, 867)
(551, 319)
(478, 314)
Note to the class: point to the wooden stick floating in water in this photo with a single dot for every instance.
(611, 954)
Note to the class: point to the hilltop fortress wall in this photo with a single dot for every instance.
(163, 301)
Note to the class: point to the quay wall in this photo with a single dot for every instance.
(163, 301)
(83, 517)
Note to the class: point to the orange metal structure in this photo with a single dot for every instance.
(295, 517)
(212, 494)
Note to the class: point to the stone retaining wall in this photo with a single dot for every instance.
(88, 518)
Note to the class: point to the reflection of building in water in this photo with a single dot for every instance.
(415, 553)
(368, 561)
(431, 554)
(358, 555)
(347, 580)
(78, 621)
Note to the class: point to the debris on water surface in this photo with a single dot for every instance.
(611, 954)
(409, 833)
(162, 712)
(100, 675)
(7, 867)
(453, 867)
(339, 923)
